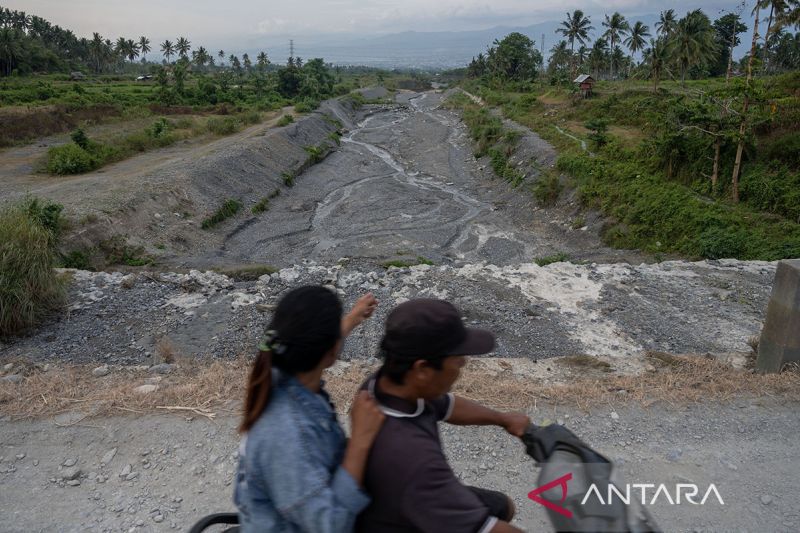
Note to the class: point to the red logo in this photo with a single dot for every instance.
(560, 482)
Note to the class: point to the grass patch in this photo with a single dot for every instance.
(405, 263)
(228, 209)
(209, 386)
(289, 177)
(246, 272)
(223, 125)
(587, 362)
(29, 287)
(261, 206)
(285, 120)
(559, 257)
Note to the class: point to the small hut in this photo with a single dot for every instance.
(585, 84)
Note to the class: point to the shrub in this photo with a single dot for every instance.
(80, 138)
(261, 206)
(719, 243)
(29, 287)
(158, 129)
(223, 125)
(288, 178)
(69, 159)
(226, 210)
(306, 106)
(400, 263)
(547, 189)
(316, 153)
(549, 259)
(249, 117)
(599, 129)
(285, 120)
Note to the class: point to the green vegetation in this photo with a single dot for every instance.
(85, 154)
(228, 209)
(247, 272)
(29, 287)
(285, 120)
(549, 259)
(492, 138)
(705, 167)
(402, 263)
(261, 206)
(288, 177)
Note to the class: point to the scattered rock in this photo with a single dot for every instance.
(101, 371)
(614, 415)
(70, 462)
(766, 499)
(164, 368)
(71, 473)
(145, 389)
(109, 456)
(126, 470)
(13, 378)
(73, 482)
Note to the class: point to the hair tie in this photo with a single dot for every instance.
(272, 343)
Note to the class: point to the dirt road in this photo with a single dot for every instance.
(161, 473)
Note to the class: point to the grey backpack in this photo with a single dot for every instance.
(569, 468)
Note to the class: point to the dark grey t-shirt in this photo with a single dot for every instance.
(408, 477)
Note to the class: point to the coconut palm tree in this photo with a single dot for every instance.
(182, 46)
(168, 49)
(598, 56)
(774, 5)
(666, 23)
(97, 51)
(262, 61)
(575, 28)
(144, 46)
(221, 56)
(693, 41)
(9, 49)
(616, 28)
(657, 59)
(635, 40)
(131, 50)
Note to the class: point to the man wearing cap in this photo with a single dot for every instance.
(407, 474)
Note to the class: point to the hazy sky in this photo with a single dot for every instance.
(227, 22)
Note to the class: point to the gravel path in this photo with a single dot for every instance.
(161, 473)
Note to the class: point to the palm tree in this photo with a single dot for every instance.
(666, 23)
(774, 5)
(262, 60)
(597, 56)
(791, 15)
(168, 49)
(616, 26)
(657, 60)
(9, 48)
(144, 46)
(97, 51)
(575, 28)
(121, 48)
(560, 57)
(183, 46)
(246, 61)
(635, 40)
(131, 49)
(693, 41)
(200, 57)
(221, 56)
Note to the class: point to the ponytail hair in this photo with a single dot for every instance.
(306, 325)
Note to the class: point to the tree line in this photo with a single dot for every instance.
(689, 47)
(29, 43)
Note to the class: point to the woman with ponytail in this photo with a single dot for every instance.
(297, 471)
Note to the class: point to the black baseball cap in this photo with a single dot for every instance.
(427, 328)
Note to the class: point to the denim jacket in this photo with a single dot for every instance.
(290, 477)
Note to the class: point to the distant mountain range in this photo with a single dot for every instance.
(426, 50)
